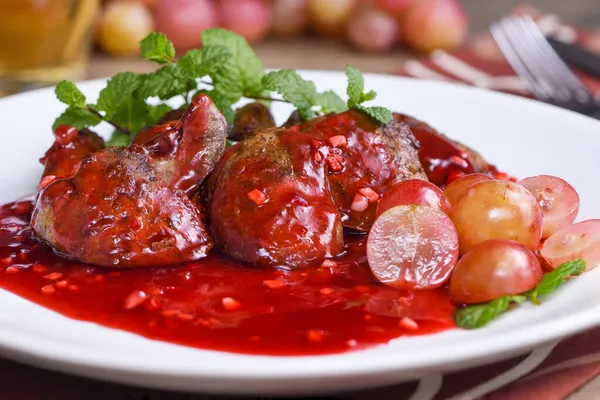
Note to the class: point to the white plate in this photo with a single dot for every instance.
(522, 137)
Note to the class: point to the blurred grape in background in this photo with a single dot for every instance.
(43, 41)
(368, 25)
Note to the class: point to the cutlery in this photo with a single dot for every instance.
(535, 61)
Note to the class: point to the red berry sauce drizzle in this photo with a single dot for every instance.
(220, 304)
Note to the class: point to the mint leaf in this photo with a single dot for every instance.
(156, 47)
(67, 92)
(157, 112)
(356, 86)
(476, 316)
(240, 74)
(301, 93)
(357, 96)
(117, 89)
(78, 117)
(118, 138)
(199, 63)
(380, 114)
(132, 114)
(552, 280)
(331, 103)
(165, 83)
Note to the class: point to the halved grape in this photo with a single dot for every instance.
(494, 269)
(559, 201)
(574, 242)
(412, 247)
(414, 191)
(497, 210)
(459, 186)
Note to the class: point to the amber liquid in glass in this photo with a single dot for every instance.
(43, 41)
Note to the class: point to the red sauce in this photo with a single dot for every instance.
(220, 304)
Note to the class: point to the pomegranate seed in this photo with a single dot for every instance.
(230, 304)
(39, 268)
(48, 179)
(6, 261)
(204, 322)
(185, 317)
(360, 203)
(134, 299)
(255, 338)
(274, 284)
(11, 270)
(454, 175)
(114, 273)
(48, 289)
(338, 141)
(368, 317)
(152, 324)
(351, 343)
(461, 162)
(328, 264)
(370, 194)
(22, 256)
(327, 291)
(53, 276)
(73, 287)
(62, 284)
(362, 288)
(65, 134)
(154, 291)
(170, 313)
(257, 197)
(408, 323)
(315, 336)
(335, 162)
(99, 278)
(22, 207)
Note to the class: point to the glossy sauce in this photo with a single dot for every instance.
(219, 304)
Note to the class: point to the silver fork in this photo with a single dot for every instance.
(535, 61)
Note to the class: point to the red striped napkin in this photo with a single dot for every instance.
(480, 63)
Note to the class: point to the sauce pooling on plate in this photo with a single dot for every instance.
(219, 304)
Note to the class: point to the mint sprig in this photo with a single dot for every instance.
(478, 315)
(241, 74)
(117, 89)
(357, 96)
(235, 72)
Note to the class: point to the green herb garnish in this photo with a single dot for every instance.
(227, 69)
(476, 316)
(357, 96)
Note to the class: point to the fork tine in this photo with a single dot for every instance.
(552, 75)
(559, 69)
(513, 58)
(530, 56)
